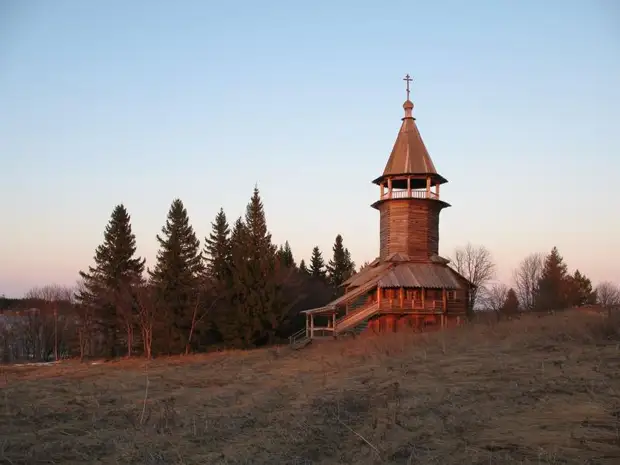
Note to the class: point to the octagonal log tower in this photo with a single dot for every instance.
(409, 201)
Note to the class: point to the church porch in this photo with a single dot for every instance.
(382, 308)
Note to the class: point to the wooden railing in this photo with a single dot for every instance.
(322, 332)
(356, 317)
(298, 336)
(413, 194)
(392, 305)
(409, 304)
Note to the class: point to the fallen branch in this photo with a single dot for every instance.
(371, 445)
(146, 394)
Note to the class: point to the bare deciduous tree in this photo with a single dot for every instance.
(494, 298)
(86, 322)
(52, 296)
(608, 295)
(145, 299)
(526, 278)
(7, 341)
(195, 320)
(36, 328)
(124, 300)
(198, 316)
(476, 264)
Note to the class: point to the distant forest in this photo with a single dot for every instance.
(236, 289)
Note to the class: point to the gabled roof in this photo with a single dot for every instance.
(409, 155)
(371, 271)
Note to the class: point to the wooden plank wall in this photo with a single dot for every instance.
(459, 305)
(410, 227)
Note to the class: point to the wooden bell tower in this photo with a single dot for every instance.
(409, 285)
(409, 201)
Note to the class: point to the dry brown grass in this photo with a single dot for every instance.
(541, 390)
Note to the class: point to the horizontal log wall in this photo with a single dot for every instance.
(410, 227)
(458, 306)
(409, 323)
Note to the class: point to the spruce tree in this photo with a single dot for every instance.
(237, 233)
(340, 267)
(285, 255)
(106, 283)
(350, 264)
(235, 323)
(258, 234)
(303, 268)
(580, 290)
(511, 305)
(257, 307)
(217, 251)
(176, 277)
(218, 272)
(317, 264)
(552, 292)
(266, 295)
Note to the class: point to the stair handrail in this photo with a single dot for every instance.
(355, 314)
(351, 322)
(298, 335)
(359, 314)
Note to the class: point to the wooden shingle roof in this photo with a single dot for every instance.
(421, 275)
(409, 155)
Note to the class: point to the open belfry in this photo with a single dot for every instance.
(409, 286)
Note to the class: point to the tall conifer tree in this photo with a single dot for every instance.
(285, 254)
(580, 290)
(552, 293)
(257, 302)
(176, 277)
(511, 304)
(317, 264)
(236, 323)
(217, 250)
(106, 283)
(340, 267)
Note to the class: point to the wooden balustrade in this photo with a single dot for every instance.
(411, 304)
(413, 194)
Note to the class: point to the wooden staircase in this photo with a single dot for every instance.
(299, 340)
(353, 323)
(354, 319)
(357, 330)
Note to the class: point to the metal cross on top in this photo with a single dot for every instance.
(408, 79)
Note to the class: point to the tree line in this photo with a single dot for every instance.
(236, 290)
(540, 283)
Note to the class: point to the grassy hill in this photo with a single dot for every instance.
(540, 390)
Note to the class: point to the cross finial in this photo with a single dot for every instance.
(408, 79)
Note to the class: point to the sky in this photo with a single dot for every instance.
(142, 102)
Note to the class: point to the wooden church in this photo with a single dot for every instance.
(409, 286)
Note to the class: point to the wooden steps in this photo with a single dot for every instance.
(354, 319)
(300, 343)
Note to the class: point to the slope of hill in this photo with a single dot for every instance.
(541, 390)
